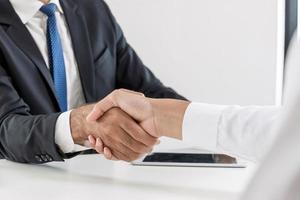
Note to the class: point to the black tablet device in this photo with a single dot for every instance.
(189, 160)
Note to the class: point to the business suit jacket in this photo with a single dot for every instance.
(28, 104)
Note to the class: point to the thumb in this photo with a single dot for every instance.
(101, 107)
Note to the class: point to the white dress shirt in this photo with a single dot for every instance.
(36, 23)
(240, 131)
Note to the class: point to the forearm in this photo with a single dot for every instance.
(168, 116)
(78, 126)
(241, 131)
(32, 138)
(64, 138)
(248, 131)
(29, 139)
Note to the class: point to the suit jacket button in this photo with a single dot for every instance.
(38, 158)
(44, 158)
(49, 158)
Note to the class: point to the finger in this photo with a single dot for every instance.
(107, 153)
(92, 141)
(101, 107)
(139, 134)
(114, 148)
(99, 146)
(117, 155)
(132, 144)
(119, 150)
(110, 101)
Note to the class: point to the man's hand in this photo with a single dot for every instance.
(133, 103)
(158, 117)
(116, 129)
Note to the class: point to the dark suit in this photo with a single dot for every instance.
(28, 104)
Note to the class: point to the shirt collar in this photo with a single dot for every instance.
(26, 9)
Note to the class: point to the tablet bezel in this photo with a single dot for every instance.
(239, 164)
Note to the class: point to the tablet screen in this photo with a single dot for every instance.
(190, 158)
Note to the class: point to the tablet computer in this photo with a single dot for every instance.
(189, 160)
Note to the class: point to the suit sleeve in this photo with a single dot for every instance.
(132, 73)
(24, 137)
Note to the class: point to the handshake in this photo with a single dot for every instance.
(125, 125)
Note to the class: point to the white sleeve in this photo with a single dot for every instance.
(234, 130)
(200, 125)
(63, 136)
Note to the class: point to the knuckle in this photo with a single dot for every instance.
(97, 106)
(111, 98)
(113, 94)
(116, 91)
(119, 91)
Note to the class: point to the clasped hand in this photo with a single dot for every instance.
(121, 126)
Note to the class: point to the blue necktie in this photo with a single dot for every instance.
(56, 57)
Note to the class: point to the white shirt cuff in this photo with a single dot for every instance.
(200, 125)
(63, 136)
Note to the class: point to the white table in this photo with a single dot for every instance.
(92, 177)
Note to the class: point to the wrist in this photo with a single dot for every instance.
(168, 116)
(78, 125)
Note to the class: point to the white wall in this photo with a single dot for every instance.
(216, 51)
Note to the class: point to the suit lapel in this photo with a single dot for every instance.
(79, 36)
(22, 38)
(81, 47)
